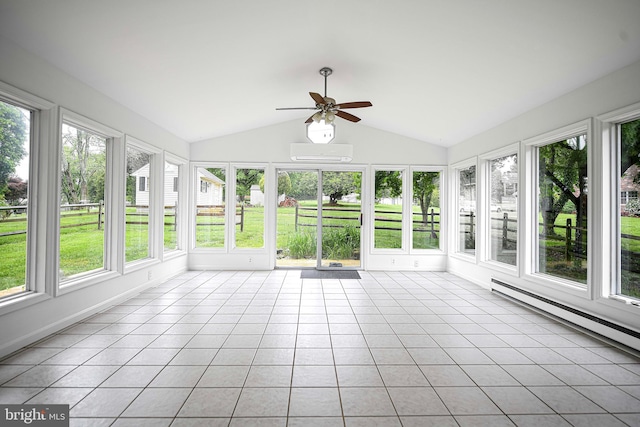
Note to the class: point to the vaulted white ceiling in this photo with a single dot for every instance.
(435, 70)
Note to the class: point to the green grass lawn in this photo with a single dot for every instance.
(82, 247)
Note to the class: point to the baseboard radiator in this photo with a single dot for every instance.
(574, 311)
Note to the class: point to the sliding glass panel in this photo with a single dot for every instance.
(171, 198)
(341, 216)
(387, 233)
(210, 207)
(630, 209)
(297, 218)
(503, 209)
(249, 208)
(83, 172)
(15, 127)
(426, 210)
(562, 209)
(467, 197)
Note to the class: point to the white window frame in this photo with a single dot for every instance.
(406, 208)
(442, 238)
(113, 242)
(42, 136)
(484, 185)
(156, 195)
(529, 214)
(610, 165)
(182, 212)
(454, 207)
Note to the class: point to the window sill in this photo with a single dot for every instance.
(557, 285)
(176, 253)
(140, 264)
(19, 302)
(511, 270)
(85, 281)
(464, 257)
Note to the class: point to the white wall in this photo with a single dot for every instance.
(29, 73)
(614, 91)
(269, 146)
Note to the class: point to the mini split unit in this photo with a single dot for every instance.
(305, 152)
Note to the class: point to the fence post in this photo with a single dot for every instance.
(296, 220)
(100, 214)
(471, 233)
(505, 225)
(568, 240)
(433, 221)
(175, 216)
(242, 217)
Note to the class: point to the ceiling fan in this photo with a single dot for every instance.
(327, 107)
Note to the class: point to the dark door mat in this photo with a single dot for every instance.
(329, 274)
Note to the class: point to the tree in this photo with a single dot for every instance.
(245, 178)
(630, 146)
(337, 184)
(388, 184)
(562, 178)
(425, 185)
(13, 134)
(82, 157)
(304, 185)
(16, 192)
(284, 183)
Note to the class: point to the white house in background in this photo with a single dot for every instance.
(210, 187)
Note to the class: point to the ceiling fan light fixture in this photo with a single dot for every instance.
(329, 117)
(327, 108)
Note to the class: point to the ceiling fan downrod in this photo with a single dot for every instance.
(326, 72)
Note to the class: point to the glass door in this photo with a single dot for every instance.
(340, 219)
(319, 216)
(297, 218)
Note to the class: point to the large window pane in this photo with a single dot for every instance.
(137, 209)
(387, 233)
(249, 208)
(562, 209)
(467, 197)
(171, 190)
(210, 207)
(426, 210)
(297, 219)
(83, 171)
(503, 209)
(15, 124)
(630, 209)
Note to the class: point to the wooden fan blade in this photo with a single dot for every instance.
(347, 116)
(354, 104)
(318, 98)
(297, 108)
(310, 119)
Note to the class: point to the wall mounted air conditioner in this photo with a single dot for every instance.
(307, 152)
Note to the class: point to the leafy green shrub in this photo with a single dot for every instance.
(302, 245)
(633, 207)
(340, 243)
(4, 214)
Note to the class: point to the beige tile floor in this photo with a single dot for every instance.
(271, 349)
